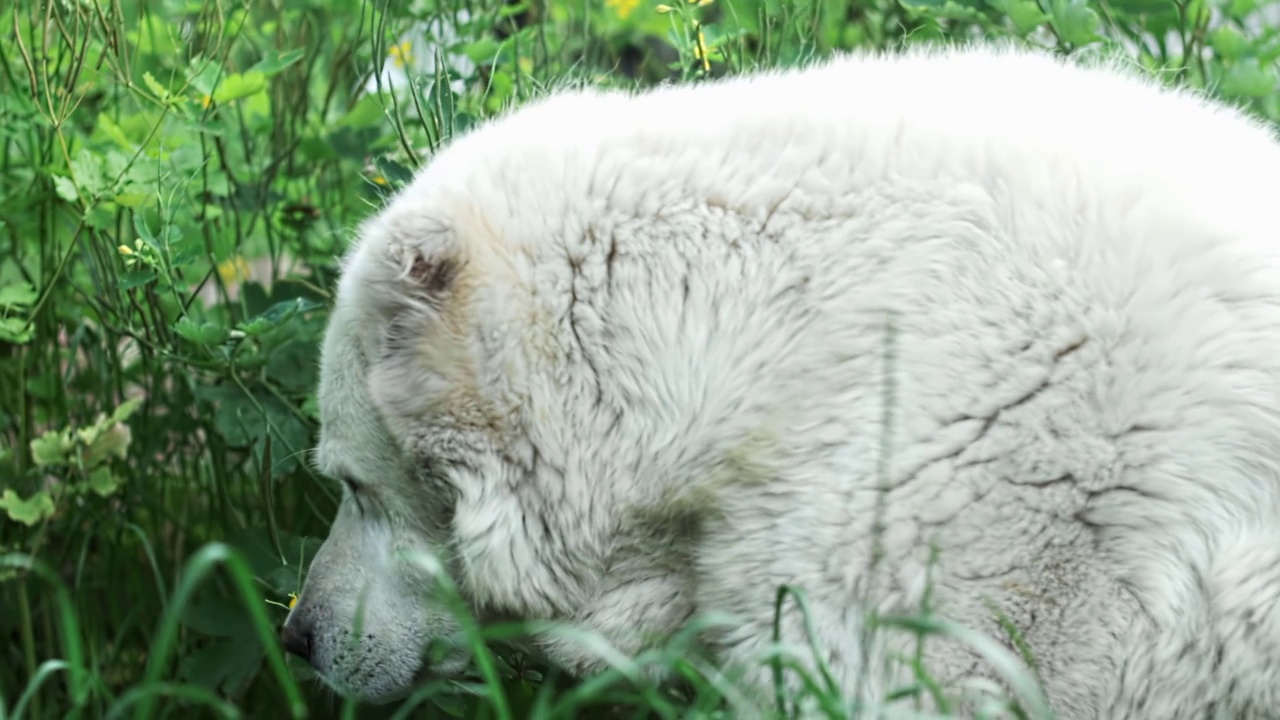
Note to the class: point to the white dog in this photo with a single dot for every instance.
(618, 360)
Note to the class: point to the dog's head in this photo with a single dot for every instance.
(401, 422)
(427, 412)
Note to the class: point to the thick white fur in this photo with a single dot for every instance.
(620, 359)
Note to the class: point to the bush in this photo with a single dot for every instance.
(179, 179)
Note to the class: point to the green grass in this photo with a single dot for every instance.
(178, 177)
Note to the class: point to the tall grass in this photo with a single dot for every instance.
(178, 177)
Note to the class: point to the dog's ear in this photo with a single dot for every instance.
(419, 279)
(413, 265)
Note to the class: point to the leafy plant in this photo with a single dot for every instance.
(84, 454)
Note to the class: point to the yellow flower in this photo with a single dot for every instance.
(623, 8)
(664, 9)
(236, 268)
(205, 101)
(402, 54)
(125, 250)
(293, 597)
(379, 180)
(700, 50)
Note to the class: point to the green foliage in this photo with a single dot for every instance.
(85, 453)
(179, 179)
(15, 299)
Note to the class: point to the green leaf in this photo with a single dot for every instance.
(17, 295)
(256, 326)
(507, 10)
(224, 665)
(239, 85)
(1024, 14)
(206, 333)
(292, 365)
(132, 199)
(1075, 23)
(1228, 42)
(396, 174)
(101, 216)
(483, 51)
(110, 442)
(154, 36)
(462, 122)
(126, 409)
(217, 616)
(87, 435)
(367, 111)
(1248, 80)
(952, 10)
(144, 232)
(65, 188)
(113, 131)
(29, 511)
(116, 165)
(103, 482)
(52, 447)
(242, 424)
(440, 99)
(203, 74)
(274, 62)
(155, 87)
(15, 330)
(1240, 9)
(136, 278)
(45, 385)
(217, 183)
(314, 147)
(277, 315)
(281, 571)
(86, 168)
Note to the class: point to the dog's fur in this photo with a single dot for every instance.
(620, 359)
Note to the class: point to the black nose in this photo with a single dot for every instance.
(296, 640)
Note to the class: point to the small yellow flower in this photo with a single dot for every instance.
(623, 8)
(125, 250)
(233, 269)
(700, 50)
(379, 180)
(664, 9)
(205, 101)
(293, 598)
(402, 53)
